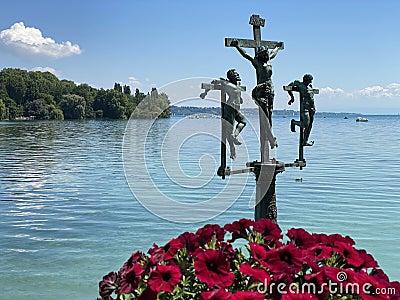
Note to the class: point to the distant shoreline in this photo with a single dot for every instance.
(190, 110)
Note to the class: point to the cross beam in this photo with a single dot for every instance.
(217, 86)
(244, 43)
(290, 88)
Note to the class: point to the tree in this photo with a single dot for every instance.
(73, 106)
(43, 95)
(16, 86)
(139, 96)
(89, 93)
(64, 87)
(118, 87)
(3, 111)
(37, 109)
(154, 105)
(14, 110)
(113, 104)
(43, 108)
(127, 89)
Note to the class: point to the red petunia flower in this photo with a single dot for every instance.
(331, 240)
(164, 278)
(239, 229)
(259, 252)
(286, 258)
(171, 248)
(315, 284)
(344, 280)
(395, 288)
(213, 268)
(148, 294)
(219, 294)
(209, 231)
(256, 274)
(130, 279)
(136, 257)
(156, 254)
(337, 275)
(301, 238)
(277, 266)
(108, 285)
(280, 284)
(319, 252)
(371, 287)
(350, 254)
(379, 274)
(227, 250)
(368, 260)
(247, 295)
(190, 241)
(269, 229)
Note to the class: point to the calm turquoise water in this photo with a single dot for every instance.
(68, 216)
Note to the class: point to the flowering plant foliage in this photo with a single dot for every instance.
(205, 265)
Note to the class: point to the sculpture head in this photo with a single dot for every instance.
(262, 53)
(307, 79)
(233, 75)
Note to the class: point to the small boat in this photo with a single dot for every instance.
(361, 119)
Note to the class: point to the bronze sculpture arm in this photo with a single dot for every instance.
(274, 52)
(241, 50)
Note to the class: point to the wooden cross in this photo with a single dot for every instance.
(301, 161)
(221, 87)
(255, 43)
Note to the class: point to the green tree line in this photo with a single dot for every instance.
(42, 96)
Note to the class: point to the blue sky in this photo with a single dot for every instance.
(350, 46)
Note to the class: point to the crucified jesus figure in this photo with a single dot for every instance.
(263, 94)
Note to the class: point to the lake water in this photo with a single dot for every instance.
(68, 215)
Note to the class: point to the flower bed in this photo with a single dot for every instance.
(206, 265)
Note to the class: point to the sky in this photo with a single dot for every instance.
(351, 47)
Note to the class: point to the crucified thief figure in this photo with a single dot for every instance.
(231, 111)
(307, 106)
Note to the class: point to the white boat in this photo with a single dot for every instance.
(361, 119)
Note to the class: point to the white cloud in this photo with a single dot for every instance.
(46, 69)
(135, 82)
(142, 86)
(331, 91)
(389, 91)
(30, 41)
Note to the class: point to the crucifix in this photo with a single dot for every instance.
(222, 85)
(306, 116)
(263, 93)
(265, 185)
